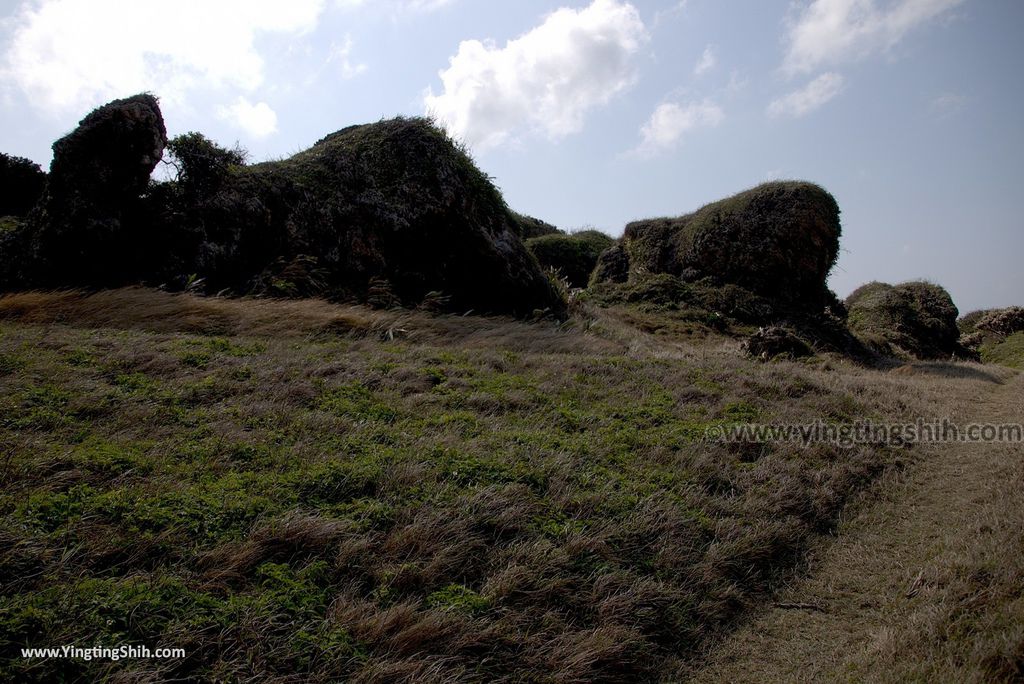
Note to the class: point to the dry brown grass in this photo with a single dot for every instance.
(143, 309)
(924, 581)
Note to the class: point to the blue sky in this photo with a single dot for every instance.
(592, 113)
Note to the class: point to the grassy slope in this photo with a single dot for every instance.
(1008, 351)
(302, 490)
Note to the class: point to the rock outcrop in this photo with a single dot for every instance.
(392, 206)
(394, 209)
(778, 241)
(918, 319)
(774, 341)
(89, 227)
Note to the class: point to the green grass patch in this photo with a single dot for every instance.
(1008, 351)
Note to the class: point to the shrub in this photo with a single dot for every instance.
(573, 255)
(530, 227)
(1002, 322)
(22, 182)
(996, 335)
(202, 165)
(612, 266)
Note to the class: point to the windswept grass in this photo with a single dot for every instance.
(307, 492)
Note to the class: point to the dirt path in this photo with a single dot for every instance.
(925, 583)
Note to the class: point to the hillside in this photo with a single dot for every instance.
(310, 491)
(345, 416)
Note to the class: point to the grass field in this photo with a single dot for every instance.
(299, 491)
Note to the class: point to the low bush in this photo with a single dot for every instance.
(22, 181)
(574, 255)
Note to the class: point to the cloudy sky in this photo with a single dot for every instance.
(595, 112)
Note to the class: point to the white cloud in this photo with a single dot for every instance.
(410, 6)
(810, 97)
(543, 81)
(341, 54)
(706, 62)
(425, 5)
(830, 32)
(69, 54)
(664, 15)
(670, 121)
(947, 104)
(258, 119)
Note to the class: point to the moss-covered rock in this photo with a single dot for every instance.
(916, 318)
(778, 240)
(1004, 322)
(395, 201)
(573, 256)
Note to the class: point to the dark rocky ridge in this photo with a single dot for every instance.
(393, 207)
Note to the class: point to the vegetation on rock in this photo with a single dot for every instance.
(916, 318)
(393, 205)
(22, 183)
(573, 255)
(996, 335)
(778, 240)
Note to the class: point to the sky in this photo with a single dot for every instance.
(593, 113)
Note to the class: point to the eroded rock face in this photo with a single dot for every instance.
(778, 241)
(88, 227)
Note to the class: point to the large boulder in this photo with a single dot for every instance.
(1002, 322)
(778, 241)
(88, 229)
(915, 318)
